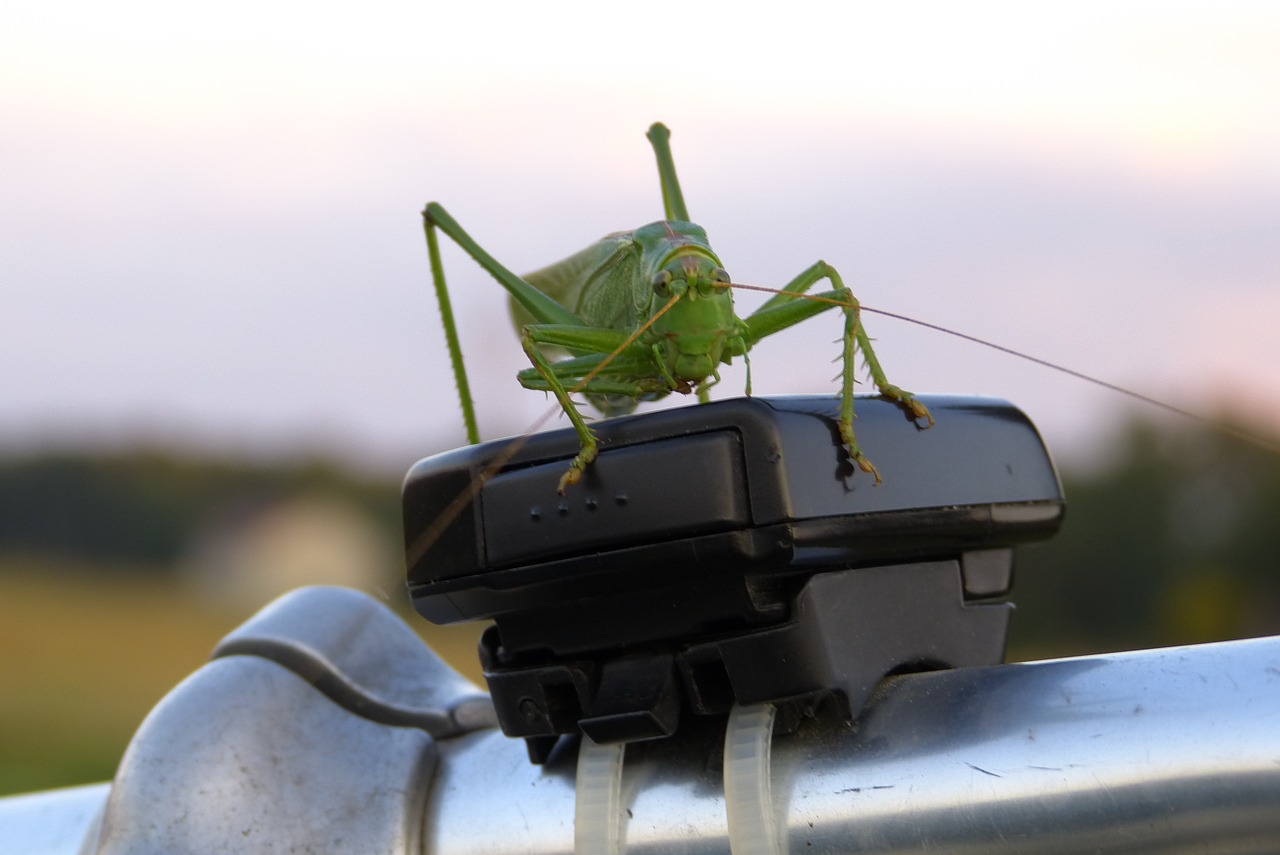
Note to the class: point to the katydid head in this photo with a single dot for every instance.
(692, 331)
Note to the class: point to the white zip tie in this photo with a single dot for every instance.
(748, 796)
(597, 820)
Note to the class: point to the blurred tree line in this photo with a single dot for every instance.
(144, 509)
(1169, 541)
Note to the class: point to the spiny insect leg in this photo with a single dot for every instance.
(793, 304)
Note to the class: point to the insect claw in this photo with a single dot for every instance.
(567, 480)
(855, 453)
(908, 402)
(584, 459)
(867, 466)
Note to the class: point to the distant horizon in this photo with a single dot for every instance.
(380, 462)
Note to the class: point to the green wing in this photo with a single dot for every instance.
(597, 284)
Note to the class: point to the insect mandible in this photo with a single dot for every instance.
(648, 312)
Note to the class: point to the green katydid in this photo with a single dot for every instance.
(647, 312)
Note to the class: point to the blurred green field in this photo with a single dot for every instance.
(85, 655)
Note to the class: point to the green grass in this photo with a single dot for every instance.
(85, 655)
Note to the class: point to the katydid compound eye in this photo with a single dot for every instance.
(662, 284)
(721, 275)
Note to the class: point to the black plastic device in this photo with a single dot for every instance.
(727, 552)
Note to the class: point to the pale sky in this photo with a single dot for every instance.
(210, 233)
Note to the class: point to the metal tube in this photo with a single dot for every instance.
(1171, 750)
(1164, 750)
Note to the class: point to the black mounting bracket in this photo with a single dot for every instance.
(727, 553)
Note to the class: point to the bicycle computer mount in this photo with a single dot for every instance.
(727, 552)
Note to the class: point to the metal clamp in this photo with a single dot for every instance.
(314, 729)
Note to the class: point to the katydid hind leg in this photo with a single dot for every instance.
(557, 326)
(451, 333)
(544, 308)
(672, 197)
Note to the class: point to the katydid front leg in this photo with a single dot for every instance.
(589, 446)
(591, 372)
(783, 310)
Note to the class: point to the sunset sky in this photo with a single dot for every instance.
(210, 235)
